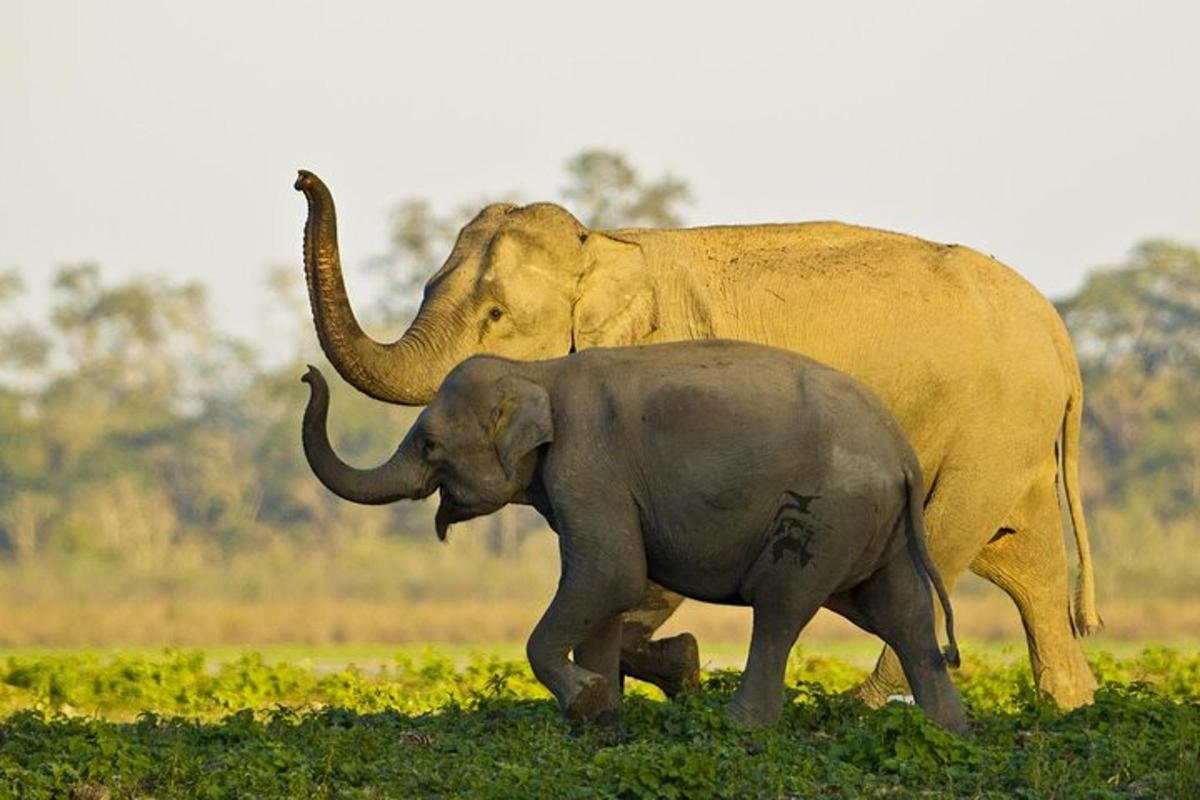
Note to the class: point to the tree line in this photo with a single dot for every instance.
(132, 428)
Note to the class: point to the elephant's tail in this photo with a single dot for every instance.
(915, 526)
(1086, 619)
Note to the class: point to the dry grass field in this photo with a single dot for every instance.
(987, 617)
(405, 591)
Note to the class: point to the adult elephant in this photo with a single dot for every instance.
(974, 361)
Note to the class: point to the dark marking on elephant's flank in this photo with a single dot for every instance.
(794, 502)
(797, 544)
(794, 528)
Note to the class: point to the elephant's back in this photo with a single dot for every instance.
(952, 340)
(793, 284)
(715, 388)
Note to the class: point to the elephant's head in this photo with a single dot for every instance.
(525, 282)
(476, 444)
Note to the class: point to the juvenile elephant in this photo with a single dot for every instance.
(725, 471)
(974, 362)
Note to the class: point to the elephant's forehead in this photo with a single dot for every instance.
(545, 216)
(437, 418)
(472, 242)
(465, 382)
(472, 377)
(459, 419)
(459, 272)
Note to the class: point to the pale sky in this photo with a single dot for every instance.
(164, 137)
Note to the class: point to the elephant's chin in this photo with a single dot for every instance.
(448, 513)
(451, 510)
(442, 521)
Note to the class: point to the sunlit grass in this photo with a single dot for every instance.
(467, 721)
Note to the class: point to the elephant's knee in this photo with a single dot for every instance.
(543, 657)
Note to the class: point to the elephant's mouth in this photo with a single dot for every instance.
(450, 510)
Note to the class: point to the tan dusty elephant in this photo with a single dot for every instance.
(974, 362)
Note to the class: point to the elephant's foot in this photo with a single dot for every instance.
(1070, 682)
(592, 702)
(1074, 693)
(872, 692)
(886, 680)
(671, 664)
(745, 717)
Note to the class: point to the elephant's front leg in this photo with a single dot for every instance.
(601, 653)
(598, 583)
(671, 664)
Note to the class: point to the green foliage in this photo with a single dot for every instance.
(149, 437)
(1145, 311)
(176, 725)
(606, 191)
(1136, 327)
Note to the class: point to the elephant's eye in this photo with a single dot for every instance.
(428, 447)
(495, 313)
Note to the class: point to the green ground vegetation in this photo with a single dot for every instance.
(179, 724)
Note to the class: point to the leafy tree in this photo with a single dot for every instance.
(23, 349)
(1142, 315)
(606, 191)
(96, 449)
(1136, 327)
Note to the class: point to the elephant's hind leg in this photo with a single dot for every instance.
(897, 606)
(965, 508)
(784, 603)
(672, 664)
(1030, 565)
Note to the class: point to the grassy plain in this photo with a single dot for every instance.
(383, 668)
(298, 722)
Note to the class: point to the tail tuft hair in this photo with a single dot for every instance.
(950, 653)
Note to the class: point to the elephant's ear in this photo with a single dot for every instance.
(616, 304)
(521, 422)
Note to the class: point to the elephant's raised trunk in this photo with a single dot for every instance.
(398, 478)
(401, 372)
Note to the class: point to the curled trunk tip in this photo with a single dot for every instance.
(393, 480)
(314, 378)
(306, 181)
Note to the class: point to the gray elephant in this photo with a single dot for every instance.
(725, 471)
(974, 362)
